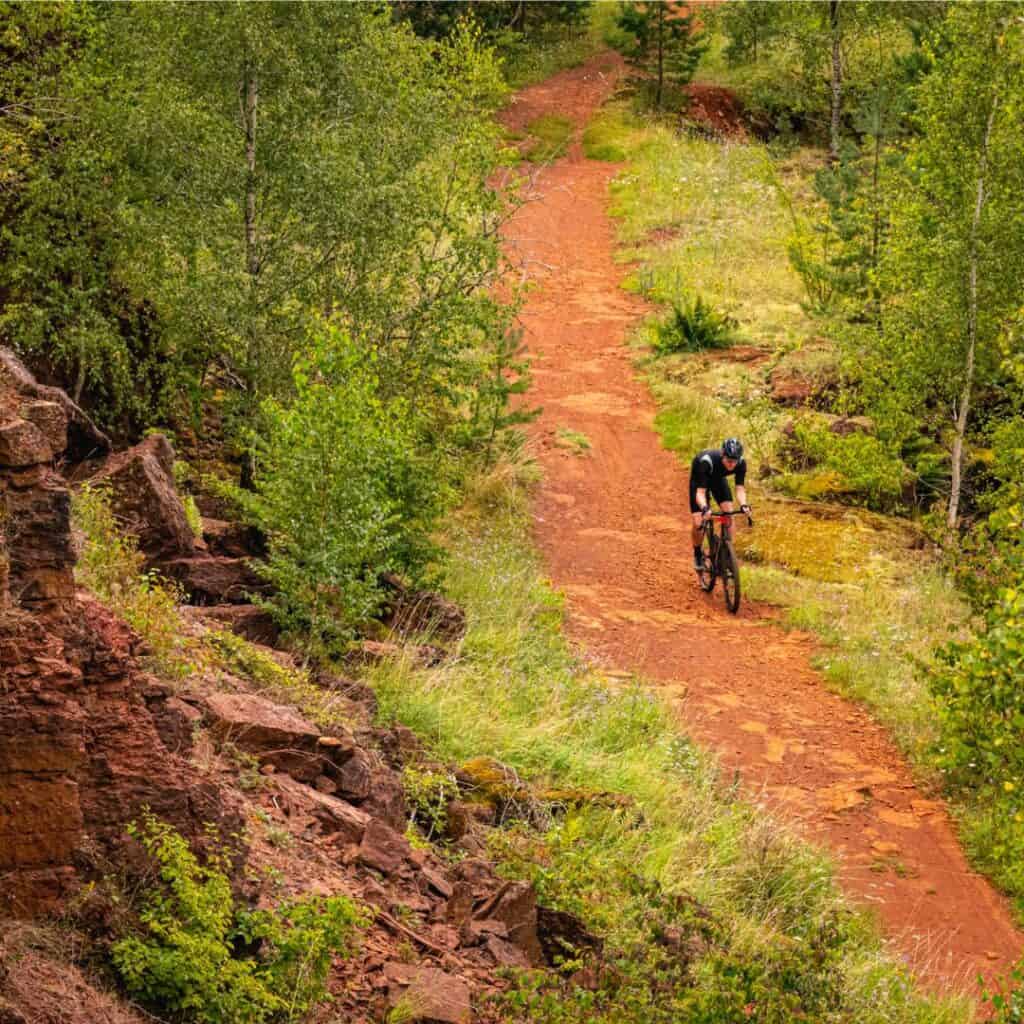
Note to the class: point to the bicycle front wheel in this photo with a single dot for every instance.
(729, 569)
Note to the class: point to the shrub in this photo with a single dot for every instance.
(982, 707)
(344, 493)
(186, 963)
(862, 466)
(694, 326)
(428, 794)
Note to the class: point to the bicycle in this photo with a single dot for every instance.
(720, 559)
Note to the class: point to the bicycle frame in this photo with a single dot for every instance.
(720, 559)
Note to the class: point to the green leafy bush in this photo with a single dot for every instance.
(428, 793)
(978, 681)
(344, 492)
(694, 326)
(864, 467)
(185, 962)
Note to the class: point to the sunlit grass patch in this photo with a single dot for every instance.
(547, 138)
(575, 441)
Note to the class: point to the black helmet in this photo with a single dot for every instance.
(732, 448)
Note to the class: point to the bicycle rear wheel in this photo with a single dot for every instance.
(707, 574)
(730, 571)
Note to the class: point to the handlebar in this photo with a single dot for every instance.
(729, 515)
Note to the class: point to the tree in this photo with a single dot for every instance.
(664, 42)
(951, 275)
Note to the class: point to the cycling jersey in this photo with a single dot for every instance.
(708, 471)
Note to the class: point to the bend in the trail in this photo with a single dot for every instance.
(612, 527)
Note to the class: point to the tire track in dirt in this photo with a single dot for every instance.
(612, 527)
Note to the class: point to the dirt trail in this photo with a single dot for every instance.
(613, 531)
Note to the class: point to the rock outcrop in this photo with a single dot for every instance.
(80, 751)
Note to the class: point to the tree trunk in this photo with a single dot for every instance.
(837, 82)
(661, 53)
(249, 123)
(972, 329)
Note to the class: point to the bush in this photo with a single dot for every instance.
(186, 963)
(861, 465)
(982, 709)
(344, 493)
(694, 326)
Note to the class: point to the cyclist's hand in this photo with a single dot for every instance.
(705, 512)
(745, 509)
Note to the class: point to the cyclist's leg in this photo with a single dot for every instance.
(723, 495)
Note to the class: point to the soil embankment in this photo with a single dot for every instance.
(612, 526)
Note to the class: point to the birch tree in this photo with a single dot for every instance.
(953, 272)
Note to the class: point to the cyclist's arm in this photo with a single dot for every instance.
(741, 494)
(702, 497)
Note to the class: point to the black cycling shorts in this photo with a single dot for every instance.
(719, 489)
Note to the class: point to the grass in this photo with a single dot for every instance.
(573, 440)
(547, 139)
(749, 896)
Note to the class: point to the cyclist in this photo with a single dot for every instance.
(708, 472)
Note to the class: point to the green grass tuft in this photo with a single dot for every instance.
(547, 139)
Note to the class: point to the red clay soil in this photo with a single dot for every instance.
(612, 526)
(716, 107)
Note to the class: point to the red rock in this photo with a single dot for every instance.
(145, 498)
(791, 388)
(515, 905)
(383, 848)
(245, 620)
(84, 439)
(275, 733)
(335, 817)
(435, 996)
(355, 777)
(234, 540)
(23, 444)
(386, 799)
(504, 953)
(422, 611)
(437, 881)
(40, 550)
(214, 579)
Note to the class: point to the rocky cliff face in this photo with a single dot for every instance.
(80, 751)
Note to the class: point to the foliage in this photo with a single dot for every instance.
(661, 40)
(344, 492)
(110, 565)
(938, 342)
(428, 794)
(185, 960)
(176, 245)
(867, 467)
(982, 702)
(692, 326)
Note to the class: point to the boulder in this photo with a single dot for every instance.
(39, 545)
(245, 620)
(386, 798)
(428, 994)
(355, 777)
(214, 579)
(23, 444)
(383, 848)
(334, 817)
(273, 733)
(422, 611)
(31, 400)
(791, 388)
(233, 540)
(515, 905)
(145, 498)
(843, 426)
